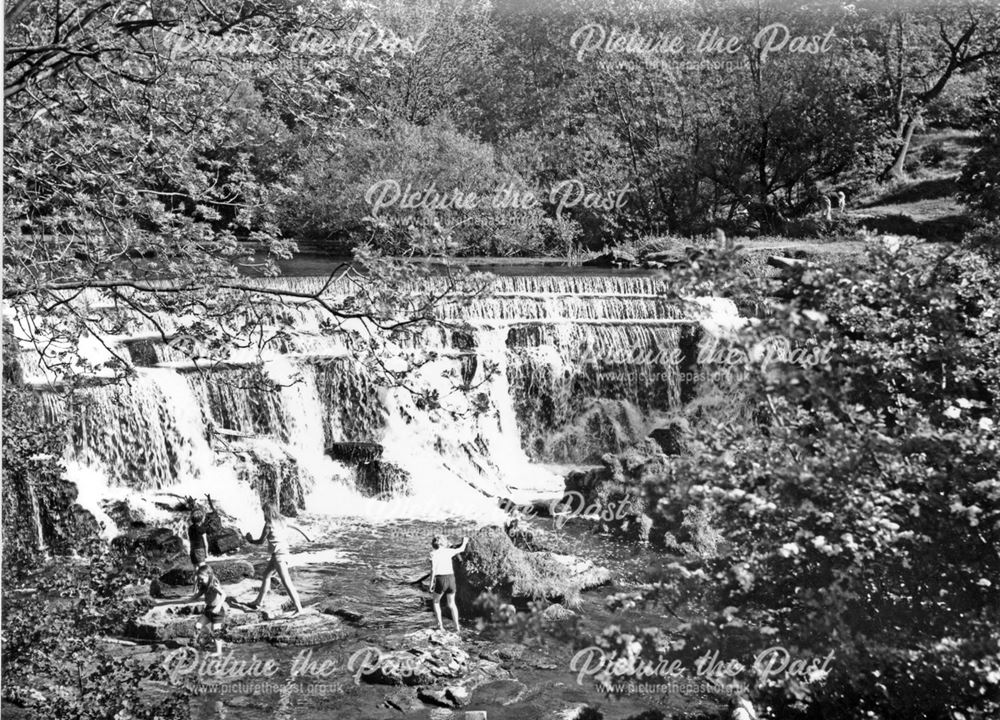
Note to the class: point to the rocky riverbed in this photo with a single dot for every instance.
(366, 646)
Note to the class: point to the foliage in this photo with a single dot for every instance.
(980, 181)
(861, 502)
(40, 514)
(148, 151)
(54, 630)
(365, 187)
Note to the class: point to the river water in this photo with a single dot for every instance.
(368, 567)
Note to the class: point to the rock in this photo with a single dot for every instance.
(784, 263)
(134, 591)
(435, 662)
(504, 652)
(125, 515)
(434, 696)
(598, 485)
(583, 573)
(500, 692)
(165, 623)
(612, 259)
(414, 666)
(228, 572)
(382, 479)
(226, 541)
(404, 700)
(493, 564)
(310, 628)
(557, 612)
(354, 452)
(669, 438)
(457, 695)
(160, 546)
(176, 622)
(475, 715)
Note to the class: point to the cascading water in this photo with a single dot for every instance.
(553, 369)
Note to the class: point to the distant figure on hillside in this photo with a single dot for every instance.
(841, 202)
(443, 576)
(720, 237)
(214, 614)
(276, 532)
(827, 208)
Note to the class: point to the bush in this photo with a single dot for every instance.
(54, 661)
(336, 207)
(862, 500)
(980, 180)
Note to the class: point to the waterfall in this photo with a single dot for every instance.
(543, 369)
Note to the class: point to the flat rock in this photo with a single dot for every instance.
(309, 628)
(433, 661)
(557, 612)
(175, 621)
(500, 692)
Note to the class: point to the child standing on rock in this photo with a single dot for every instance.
(443, 576)
(198, 537)
(276, 533)
(212, 617)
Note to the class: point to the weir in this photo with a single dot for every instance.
(542, 370)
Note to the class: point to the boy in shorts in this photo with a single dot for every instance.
(443, 576)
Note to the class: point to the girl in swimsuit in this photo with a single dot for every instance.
(276, 533)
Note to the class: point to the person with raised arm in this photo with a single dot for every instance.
(276, 533)
(443, 576)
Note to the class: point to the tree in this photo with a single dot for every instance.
(147, 153)
(916, 51)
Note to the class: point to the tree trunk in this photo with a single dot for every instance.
(895, 170)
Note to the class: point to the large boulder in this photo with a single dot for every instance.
(160, 546)
(444, 673)
(225, 540)
(613, 258)
(382, 479)
(177, 623)
(228, 572)
(493, 564)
